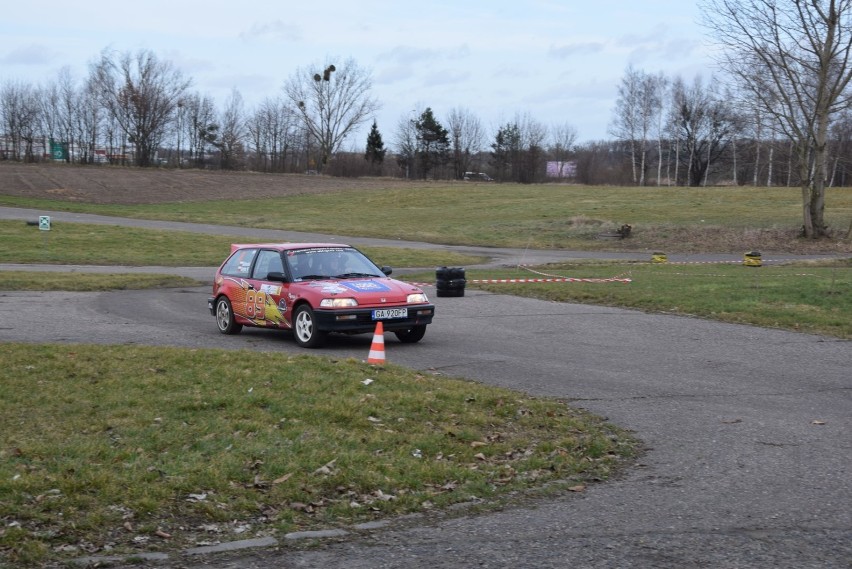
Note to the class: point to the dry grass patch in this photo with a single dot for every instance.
(111, 449)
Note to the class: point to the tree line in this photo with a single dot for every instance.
(137, 109)
(134, 108)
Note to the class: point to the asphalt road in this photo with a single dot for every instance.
(748, 431)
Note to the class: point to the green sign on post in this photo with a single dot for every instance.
(44, 222)
(58, 150)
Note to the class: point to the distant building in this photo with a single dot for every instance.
(559, 169)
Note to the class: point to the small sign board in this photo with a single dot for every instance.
(44, 222)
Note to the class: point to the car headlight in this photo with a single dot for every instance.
(417, 298)
(338, 302)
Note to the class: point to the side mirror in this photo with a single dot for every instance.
(387, 271)
(276, 276)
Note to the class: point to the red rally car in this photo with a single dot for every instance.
(314, 289)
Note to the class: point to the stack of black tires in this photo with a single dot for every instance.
(450, 281)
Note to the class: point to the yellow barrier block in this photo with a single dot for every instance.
(659, 258)
(752, 259)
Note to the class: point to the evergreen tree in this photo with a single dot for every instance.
(433, 143)
(375, 147)
(505, 152)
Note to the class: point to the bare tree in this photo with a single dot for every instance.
(533, 139)
(92, 118)
(141, 94)
(638, 110)
(199, 125)
(271, 131)
(68, 109)
(405, 143)
(842, 137)
(704, 124)
(467, 138)
(232, 132)
(51, 116)
(332, 101)
(564, 137)
(21, 116)
(660, 89)
(794, 56)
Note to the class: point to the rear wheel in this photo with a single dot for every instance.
(305, 329)
(412, 335)
(225, 317)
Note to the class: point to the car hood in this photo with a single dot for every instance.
(368, 291)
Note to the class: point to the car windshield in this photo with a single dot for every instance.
(330, 263)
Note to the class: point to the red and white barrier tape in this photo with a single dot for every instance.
(541, 280)
(728, 276)
(560, 279)
(551, 280)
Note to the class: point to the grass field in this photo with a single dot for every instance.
(124, 449)
(120, 449)
(88, 244)
(814, 297)
(537, 216)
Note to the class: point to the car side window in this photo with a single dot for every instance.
(239, 264)
(267, 262)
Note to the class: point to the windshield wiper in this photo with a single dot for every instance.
(313, 277)
(356, 275)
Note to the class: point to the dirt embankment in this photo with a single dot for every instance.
(114, 185)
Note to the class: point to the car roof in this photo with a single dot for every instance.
(287, 246)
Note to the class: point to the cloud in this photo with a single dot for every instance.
(189, 65)
(655, 37)
(509, 75)
(393, 74)
(33, 54)
(459, 52)
(249, 84)
(681, 49)
(446, 77)
(407, 55)
(569, 50)
(276, 30)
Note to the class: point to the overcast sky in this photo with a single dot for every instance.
(558, 61)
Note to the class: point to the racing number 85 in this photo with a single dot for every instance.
(255, 304)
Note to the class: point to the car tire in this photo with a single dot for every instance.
(449, 273)
(305, 330)
(225, 320)
(412, 335)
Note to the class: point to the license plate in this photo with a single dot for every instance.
(387, 313)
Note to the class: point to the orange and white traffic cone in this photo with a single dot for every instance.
(377, 349)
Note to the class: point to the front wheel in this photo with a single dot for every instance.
(305, 329)
(412, 335)
(225, 317)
